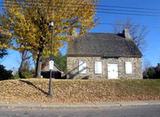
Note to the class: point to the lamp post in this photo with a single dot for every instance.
(51, 61)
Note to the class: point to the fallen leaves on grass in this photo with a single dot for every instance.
(78, 91)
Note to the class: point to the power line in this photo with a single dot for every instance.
(98, 6)
(128, 10)
(135, 8)
(121, 24)
(127, 13)
(103, 6)
(119, 12)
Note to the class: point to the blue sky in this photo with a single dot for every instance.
(152, 50)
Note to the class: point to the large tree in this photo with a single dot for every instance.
(29, 21)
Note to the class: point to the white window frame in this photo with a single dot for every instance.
(98, 67)
(128, 68)
(82, 67)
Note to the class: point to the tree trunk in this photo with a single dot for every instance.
(23, 58)
(38, 64)
(20, 69)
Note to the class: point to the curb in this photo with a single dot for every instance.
(77, 106)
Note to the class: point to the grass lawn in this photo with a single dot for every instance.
(78, 91)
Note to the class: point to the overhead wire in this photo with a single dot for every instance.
(99, 5)
(106, 9)
(112, 9)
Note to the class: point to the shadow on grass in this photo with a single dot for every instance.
(34, 86)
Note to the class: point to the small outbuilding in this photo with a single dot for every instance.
(56, 73)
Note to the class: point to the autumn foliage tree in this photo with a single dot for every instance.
(29, 22)
(4, 40)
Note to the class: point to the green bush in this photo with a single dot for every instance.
(25, 71)
(5, 74)
(152, 72)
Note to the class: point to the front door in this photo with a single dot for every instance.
(112, 71)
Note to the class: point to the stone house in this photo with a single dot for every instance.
(104, 56)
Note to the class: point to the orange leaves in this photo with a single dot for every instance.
(79, 91)
(30, 21)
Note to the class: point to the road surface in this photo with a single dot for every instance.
(124, 111)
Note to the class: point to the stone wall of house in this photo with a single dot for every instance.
(73, 67)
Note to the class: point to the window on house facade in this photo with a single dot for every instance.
(82, 67)
(128, 67)
(98, 67)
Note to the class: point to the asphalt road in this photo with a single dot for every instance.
(126, 111)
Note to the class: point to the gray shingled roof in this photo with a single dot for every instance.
(103, 45)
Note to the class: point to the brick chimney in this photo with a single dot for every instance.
(126, 34)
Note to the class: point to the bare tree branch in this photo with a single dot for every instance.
(138, 32)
